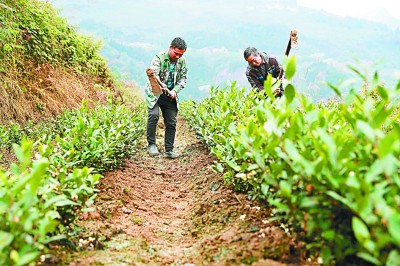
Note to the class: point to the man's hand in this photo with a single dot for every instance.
(277, 91)
(172, 94)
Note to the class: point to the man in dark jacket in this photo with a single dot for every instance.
(260, 65)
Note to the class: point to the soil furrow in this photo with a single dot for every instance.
(158, 211)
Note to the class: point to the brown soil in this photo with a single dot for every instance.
(158, 211)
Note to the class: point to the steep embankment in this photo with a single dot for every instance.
(157, 211)
(46, 92)
(47, 65)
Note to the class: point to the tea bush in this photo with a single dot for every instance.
(331, 170)
(55, 176)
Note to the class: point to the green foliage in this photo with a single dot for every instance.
(26, 221)
(330, 169)
(101, 137)
(9, 134)
(290, 66)
(42, 194)
(32, 30)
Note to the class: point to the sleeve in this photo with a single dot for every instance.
(181, 77)
(156, 65)
(254, 82)
(275, 67)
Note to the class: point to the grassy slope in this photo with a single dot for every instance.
(47, 65)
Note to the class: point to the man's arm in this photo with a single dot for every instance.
(254, 82)
(274, 67)
(156, 65)
(276, 72)
(181, 77)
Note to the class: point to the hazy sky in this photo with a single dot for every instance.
(357, 8)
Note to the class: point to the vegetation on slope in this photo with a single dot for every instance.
(46, 65)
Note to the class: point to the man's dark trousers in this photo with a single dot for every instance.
(169, 111)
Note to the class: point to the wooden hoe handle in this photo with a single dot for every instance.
(156, 85)
(292, 43)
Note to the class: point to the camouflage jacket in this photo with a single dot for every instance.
(160, 64)
(257, 75)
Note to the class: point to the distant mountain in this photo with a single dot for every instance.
(381, 15)
(218, 31)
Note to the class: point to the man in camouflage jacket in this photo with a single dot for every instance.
(170, 67)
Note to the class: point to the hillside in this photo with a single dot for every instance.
(47, 64)
(217, 32)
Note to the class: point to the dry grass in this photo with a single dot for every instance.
(46, 91)
(130, 92)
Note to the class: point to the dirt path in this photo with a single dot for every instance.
(158, 211)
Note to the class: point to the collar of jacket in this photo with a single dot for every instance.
(166, 60)
(264, 56)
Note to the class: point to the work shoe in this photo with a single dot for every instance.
(171, 154)
(152, 149)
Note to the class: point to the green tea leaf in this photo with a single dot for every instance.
(290, 93)
(383, 92)
(357, 72)
(394, 227)
(308, 202)
(290, 67)
(352, 181)
(264, 189)
(268, 86)
(59, 201)
(5, 239)
(393, 258)
(369, 258)
(233, 165)
(376, 79)
(14, 256)
(38, 171)
(360, 230)
(388, 143)
(291, 150)
(27, 258)
(18, 152)
(330, 143)
(285, 188)
(366, 129)
(329, 235)
(340, 198)
(335, 89)
(374, 171)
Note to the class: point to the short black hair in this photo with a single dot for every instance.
(178, 43)
(250, 51)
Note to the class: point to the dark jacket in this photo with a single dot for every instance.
(257, 75)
